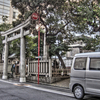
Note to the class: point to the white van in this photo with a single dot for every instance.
(85, 74)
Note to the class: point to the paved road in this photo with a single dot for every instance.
(16, 91)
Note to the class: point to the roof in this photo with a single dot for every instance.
(12, 56)
(90, 54)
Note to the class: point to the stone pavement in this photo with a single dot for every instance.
(63, 83)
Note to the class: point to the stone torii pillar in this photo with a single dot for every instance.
(22, 57)
(10, 36)
(5, 60)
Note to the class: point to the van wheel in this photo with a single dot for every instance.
(78, 92)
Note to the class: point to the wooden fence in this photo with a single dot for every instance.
(45, 68)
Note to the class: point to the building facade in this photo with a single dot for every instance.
(7, 10)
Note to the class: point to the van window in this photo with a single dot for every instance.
(80, 64)
(94, 64)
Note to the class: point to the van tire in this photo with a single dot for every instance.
(78, 92)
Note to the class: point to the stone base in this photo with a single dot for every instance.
(22, 79)
(45, 79)
(4, 77)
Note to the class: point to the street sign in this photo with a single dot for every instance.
(35, 16)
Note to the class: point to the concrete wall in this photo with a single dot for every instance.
(1, 67)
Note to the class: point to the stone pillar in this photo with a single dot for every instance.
(44, 48)
(50, 68)
(5, 60)
(22, 57)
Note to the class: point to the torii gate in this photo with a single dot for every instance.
(18, 29)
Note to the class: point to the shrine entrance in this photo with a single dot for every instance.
(46, 73)
(10, 35)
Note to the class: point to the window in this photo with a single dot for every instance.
(1, 2)
(1, 10)
(14, 14)
(5, 11)
(7, 8)
(94, 64)
(1, 21)
(80, 64)
(7, 1)
(5, 4)
(1, 6)
(0, 17)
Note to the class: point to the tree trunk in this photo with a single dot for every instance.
(61, 60)
(0, 57)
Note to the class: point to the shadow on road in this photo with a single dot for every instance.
(92, 97)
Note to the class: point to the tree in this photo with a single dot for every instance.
(52, 17)
(85, 15)
(91, 43)
(30, 45)
(1, 46)
(3, 27)
(58, 46)
(63, 17)
(14, 47)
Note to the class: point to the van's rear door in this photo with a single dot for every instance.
(93, 75)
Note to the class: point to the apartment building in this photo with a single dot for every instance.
(7, 10)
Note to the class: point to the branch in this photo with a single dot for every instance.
(44, 24)
(58, 30)
(95, 28)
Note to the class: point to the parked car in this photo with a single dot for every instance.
(85, 74)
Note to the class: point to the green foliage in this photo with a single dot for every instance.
(15, 47)
(1, 45)
(85, 16)
(4, 18)
(3, 27)
(52, 16)
(31, 47)
(90, 42)
(63, 17)
(58, 45)
(73, 16)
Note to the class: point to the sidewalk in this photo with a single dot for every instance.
(62, 86)
(63, 83)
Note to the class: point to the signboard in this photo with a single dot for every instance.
(35, 16)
